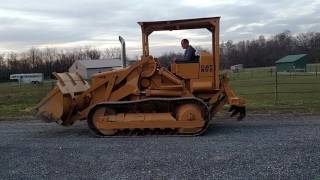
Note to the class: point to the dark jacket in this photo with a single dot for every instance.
(189, 55)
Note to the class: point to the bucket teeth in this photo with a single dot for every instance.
(241, 110)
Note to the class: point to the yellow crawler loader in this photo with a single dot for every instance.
(146, 98)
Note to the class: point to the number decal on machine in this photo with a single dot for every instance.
(206, 68)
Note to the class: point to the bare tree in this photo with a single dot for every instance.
(112, 53)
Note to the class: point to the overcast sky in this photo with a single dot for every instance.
(97, 23)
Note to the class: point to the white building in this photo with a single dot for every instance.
(28, 78)
(86, 68)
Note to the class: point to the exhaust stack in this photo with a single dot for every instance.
(123, 52)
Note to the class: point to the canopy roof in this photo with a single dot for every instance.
(179, 24)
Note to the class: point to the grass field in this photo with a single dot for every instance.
(298, 92)
(257, 86)
(17, 100)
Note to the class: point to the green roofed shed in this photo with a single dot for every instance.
(292, 63)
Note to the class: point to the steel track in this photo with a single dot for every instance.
(172, 103)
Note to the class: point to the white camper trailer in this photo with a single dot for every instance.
(34, 78)
(236, 68)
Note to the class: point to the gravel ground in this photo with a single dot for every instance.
(262, 147)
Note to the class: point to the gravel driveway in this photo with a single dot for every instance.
(261, 147)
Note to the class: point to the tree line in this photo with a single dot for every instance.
(264, 52)
(49, 60)
(251, 53)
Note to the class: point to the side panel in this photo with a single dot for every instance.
(201, 85)
(186, 71)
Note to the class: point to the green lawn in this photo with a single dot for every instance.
(17, 100)
(256, 85)
(299, 93)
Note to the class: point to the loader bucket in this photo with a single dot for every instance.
(59, 105)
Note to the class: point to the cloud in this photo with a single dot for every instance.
(73, 23)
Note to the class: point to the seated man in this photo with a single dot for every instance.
(189, 53)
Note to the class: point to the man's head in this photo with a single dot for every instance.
(184, 43)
